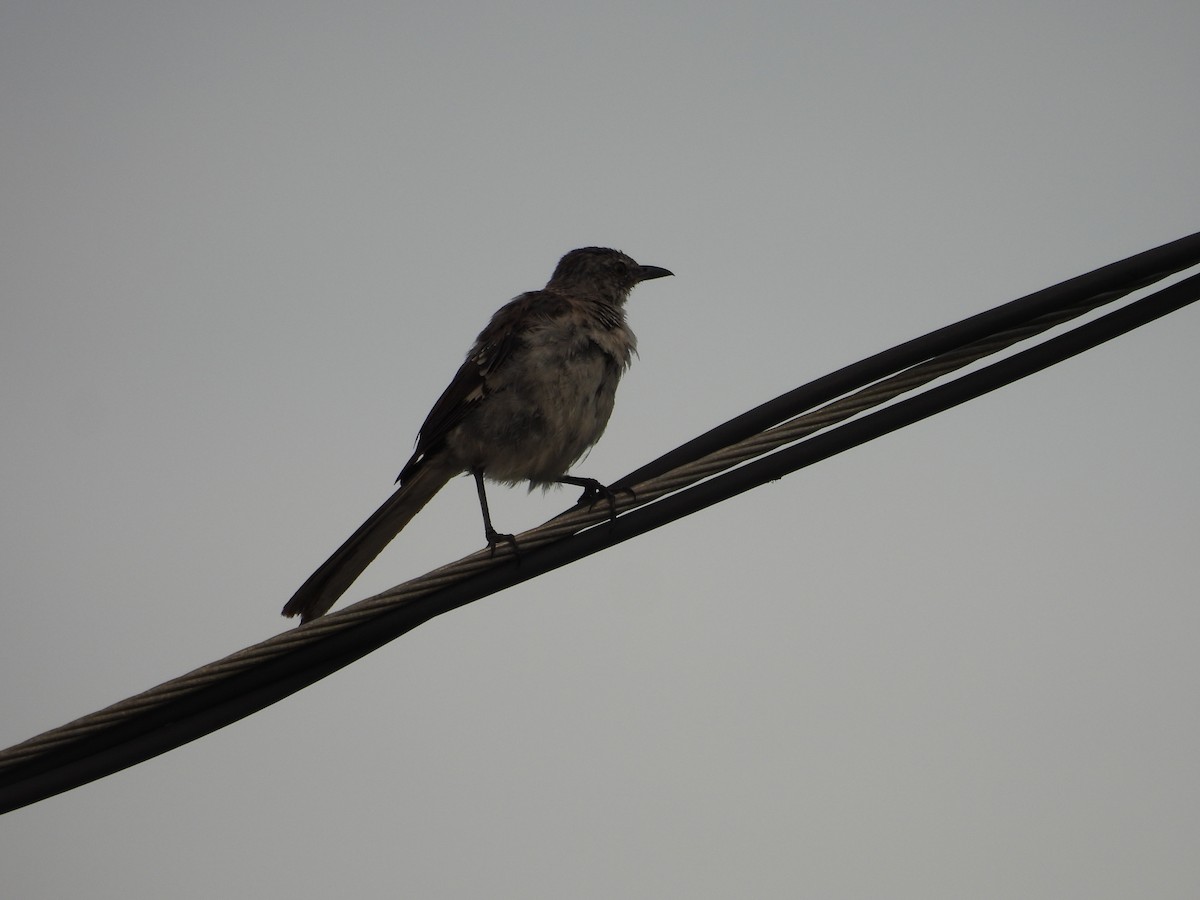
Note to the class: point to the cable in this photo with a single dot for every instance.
(199, 702)
(1104, 284)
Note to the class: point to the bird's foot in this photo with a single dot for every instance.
(494, 537)
(594, 492)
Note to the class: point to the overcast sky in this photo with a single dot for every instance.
(244, 247)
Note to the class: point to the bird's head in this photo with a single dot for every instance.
(602, 273)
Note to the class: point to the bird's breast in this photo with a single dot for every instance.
(547, 405)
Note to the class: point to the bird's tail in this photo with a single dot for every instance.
(336, 574)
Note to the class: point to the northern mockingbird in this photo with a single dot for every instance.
(533, 396)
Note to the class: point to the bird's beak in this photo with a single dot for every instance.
(645, 273)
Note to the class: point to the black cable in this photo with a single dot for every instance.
(906, 412)
(192, 714)
(1114, 280)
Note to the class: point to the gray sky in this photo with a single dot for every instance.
(245, 246)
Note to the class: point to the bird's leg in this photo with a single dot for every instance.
(492, 535)
(594, 491)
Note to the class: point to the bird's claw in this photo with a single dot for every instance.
(594, 492)
(494, 537)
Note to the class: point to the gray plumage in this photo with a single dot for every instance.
(534, 394)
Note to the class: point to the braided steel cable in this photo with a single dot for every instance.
(221, 692)
(1111, 281)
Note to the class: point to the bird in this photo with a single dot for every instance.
(532, 397)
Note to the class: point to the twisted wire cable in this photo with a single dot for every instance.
(223, 691)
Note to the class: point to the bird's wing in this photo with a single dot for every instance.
(494, 346)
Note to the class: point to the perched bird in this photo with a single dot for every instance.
(534, 394)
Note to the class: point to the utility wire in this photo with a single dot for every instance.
(1104, 284)
(742, 454)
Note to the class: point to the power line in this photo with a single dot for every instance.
(798, 429)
